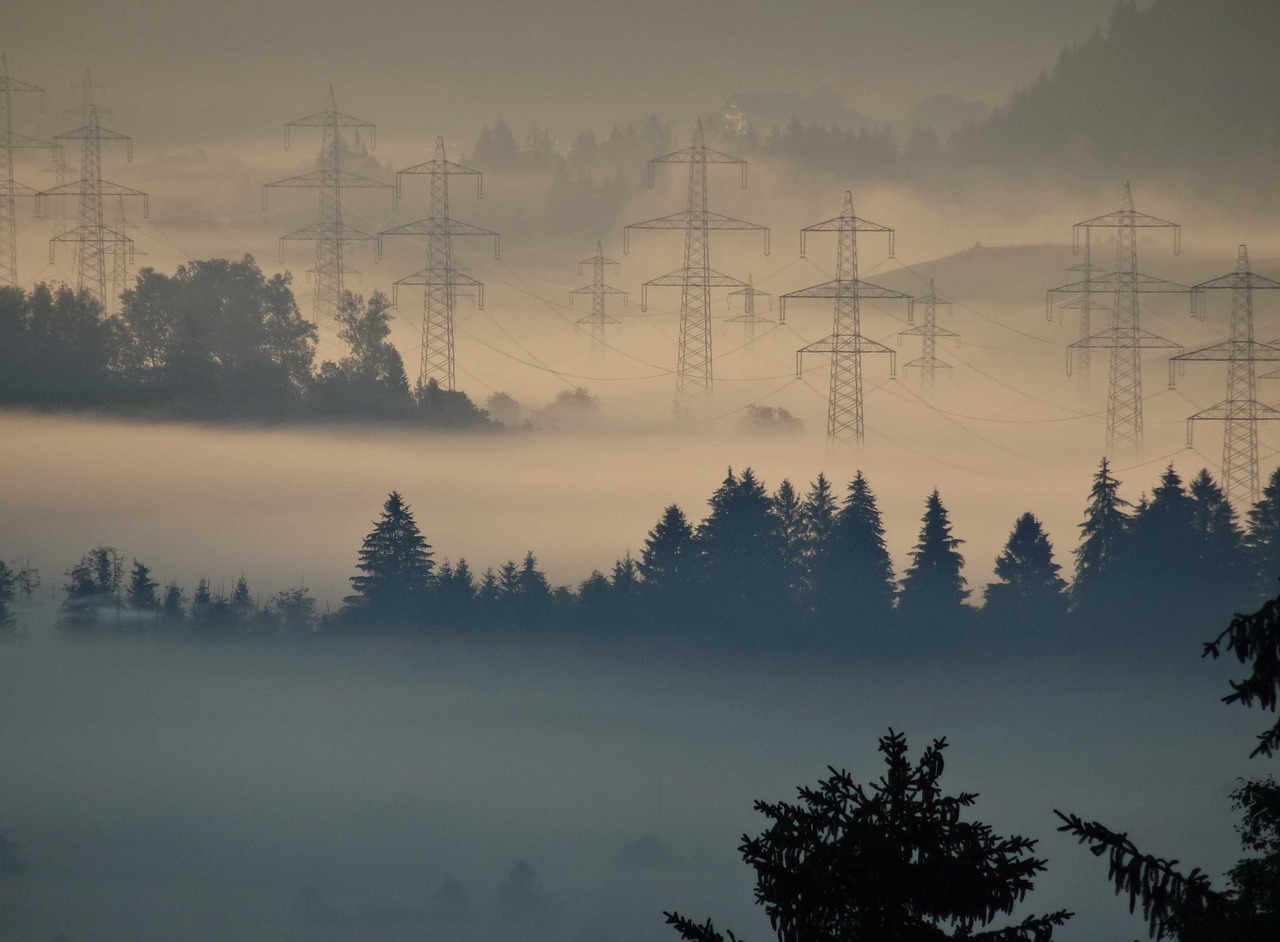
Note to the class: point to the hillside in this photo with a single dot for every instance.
(1180, 84)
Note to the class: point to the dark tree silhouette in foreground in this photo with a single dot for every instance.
(933, 586)
(396, 570)
(1263, 540)
(886, 862)
(1255, 640)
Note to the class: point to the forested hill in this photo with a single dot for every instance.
(1175, 85)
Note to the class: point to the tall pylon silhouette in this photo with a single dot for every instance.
(696, 278)
(91, 236)
(10, 189)
(928, 331)
(749, 318)
(846, 344)
(1125, 338)
(598, 320)
(1240, 411)
(440, 278)
(330, 233)
(1083, 297)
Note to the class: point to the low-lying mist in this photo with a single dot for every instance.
(327, 791)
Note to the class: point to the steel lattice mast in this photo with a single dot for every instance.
(1083, 298)
(1241, 410)
(330, 233)
(696, 278)
(91, 235)
(846, 345)
(11, 189)
(749, 319)
(1125, 338)
(441, 277)
(928, 332)
(598, 320)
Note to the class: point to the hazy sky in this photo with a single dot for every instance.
(188, 69)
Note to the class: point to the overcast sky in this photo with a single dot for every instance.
(182, 69)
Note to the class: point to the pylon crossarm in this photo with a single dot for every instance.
(429, 226)
(22, 142)
(678, 278)
(101, 187)
(849, 223)
(697, 152)
(93, 132)
(334, 119)
(592, 289)
(319, 178)
(1112, 281)
(1113, 337)
(1078, 302)
(1247, 280)
(1127, 217)
(317, 230)
(930, 362)
(1249, 410)
(847, 289)
(440, 276)
(81, 234)
(1234, 350)
(855, 343)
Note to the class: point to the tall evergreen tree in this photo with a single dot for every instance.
(855, 578)
(789, 511)
(1223, 566)
(818, 519)
(142, 589)
(396, 570)
(1263, 540)
(933, 587)
(742, 550)
(8, 593)
(173, 608)
(1101, 540)
(668, 558)
(1030, 588)
(1160, 561)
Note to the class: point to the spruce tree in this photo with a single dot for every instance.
(142, 589)
(242, 599)
(741, 549)
(1101, 540)
(933, 587)
(1159, 563)
(1263, 540)
(1223, 570)
(8, 593)
(668, 557)
(173, 608)
(818, 515)
(856, 580)
(789, 511)
(396, 570)
(1030, 588)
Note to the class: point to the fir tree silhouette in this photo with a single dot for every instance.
(395, 571)
(821, 569)
(1263, 540)
(933, 588)
(860, 588)
(789, 511)
(1029, 589)
(1222, 570)
(892, 861)
(668, 558)
(142, 589)
(1101, 546)
(741, 550)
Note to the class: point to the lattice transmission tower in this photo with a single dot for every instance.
(695, 278)
(928, 331)
(749, 318)
(598, 320)
(846, 344)
(1240, 411)
(1125, 338)
(11, 190)
(1083, 297)
(330, 232)
(441, 278)
(91, 236)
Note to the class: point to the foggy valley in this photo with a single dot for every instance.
(422, 524)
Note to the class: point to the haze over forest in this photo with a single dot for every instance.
(258, 746)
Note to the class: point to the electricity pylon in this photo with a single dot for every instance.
(598, 320)
(91, 235)
(696, 278)
(10, 189)
(1083, 300)
(330, 233)
(1241, 410)
(749, 319)
(928, 363)
(1125, 338)
(846, 344)
(440, 278)
(122, 253)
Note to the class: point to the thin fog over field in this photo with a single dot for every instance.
(312, 630)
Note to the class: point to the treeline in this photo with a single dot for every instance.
(799, 570)
(217, 339)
